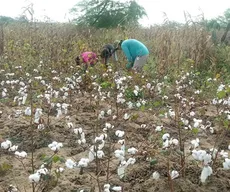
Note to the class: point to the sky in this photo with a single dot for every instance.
(58, 10)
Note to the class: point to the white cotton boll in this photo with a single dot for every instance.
(126, 116)
(42, 171)
(214, 152)
(206, 172)
(60, 170)
(101, 146)
(34, 177)
(116, 188)
(114, 117)
(108, 126)
(119, 133)
(166, 143)
(226, 164)
(121, 141)
(158, 128)
(192, 113)
(131, 161)
(207, 159)
(138, 104)
(165, 136)
(109, 112)
(121, 171)
(173, 141)
(55, 146)
(199, 155)
(70, 164)
(132, 151)
(100, 154)
(6, 144)
(83, 162)
(135, 92)
(119, 154)
(156, 175)
(174, 174)
(148, 86)
(229, 147)
(130, 105)
(106, 186)
(13, 148)
(83, 141)
(91, 154)
(195, 143)
(21, 154)
(41, 127)
(78, 130)
(223, 154)
(28, 111)
(171, 113)
(70, 125)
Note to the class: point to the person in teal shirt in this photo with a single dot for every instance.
(136, 53)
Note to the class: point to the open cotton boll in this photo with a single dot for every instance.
(70, 164)
(116, 188)
(119, 133)
(131, 161)
(226, 164)
(158, 128)
(55, 146)
(174, 174)
(21, 154)
(206, 172)
(223, 154)
(6, 144)
(165, 136)
(126, 116)
(195, 143)
(100, 154)
(60, 170)
(13, 148)
(132, 151)
(91, 154)
(83, 162)
(34, 177)
(156, 175)
(173, 141)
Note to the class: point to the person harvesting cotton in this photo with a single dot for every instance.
(86, 59)
(107, 52)
(136, 53)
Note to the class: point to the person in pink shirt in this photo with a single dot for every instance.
(87, 59)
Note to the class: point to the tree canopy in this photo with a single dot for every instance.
(107, 13)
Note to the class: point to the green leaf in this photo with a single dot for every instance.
(195, 131)
(153, 162)
(221, 94)
(56, 158)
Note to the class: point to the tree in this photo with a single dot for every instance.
(107, 13)
(221, 22)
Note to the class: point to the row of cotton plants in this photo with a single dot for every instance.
(49, 99)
